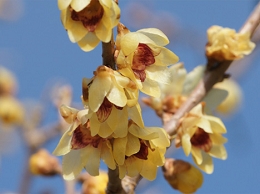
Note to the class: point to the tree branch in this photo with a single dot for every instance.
(210, 77)
(114, 183)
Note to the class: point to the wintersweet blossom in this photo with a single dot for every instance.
(174, 94)
(111, 99)
(143, 58)
(141, 152)
(90, 21)
(201, 135)
(226, 44)
(81, 150)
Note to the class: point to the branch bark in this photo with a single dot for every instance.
(211, 77)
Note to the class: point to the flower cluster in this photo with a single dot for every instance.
(226, 44)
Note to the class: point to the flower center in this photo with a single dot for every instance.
(90, 16)
(82, 137)
(201, 140)
(143, 152)
(143, 57)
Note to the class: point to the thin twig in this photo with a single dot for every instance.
(211, 77)
(114, 183)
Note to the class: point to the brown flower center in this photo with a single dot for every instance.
(143, 152)
(90, 16)
(82, 137)
(143, 57)
(201, 140)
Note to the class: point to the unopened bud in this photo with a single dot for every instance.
(95, 184)
(182, 175)
(7, 82)
(11, 111)
(69, 114)
(43, 163)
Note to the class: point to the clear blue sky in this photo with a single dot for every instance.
(37, 49)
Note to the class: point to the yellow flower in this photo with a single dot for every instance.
(182, 175)
(201, 135)
(226, 44)
(81, 150)
(143, 58)
(111, 98)
(90, 21)
(141, 152)
(11, 110)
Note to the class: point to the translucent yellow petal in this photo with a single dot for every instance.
(117, 95)
(76, 31)
(64, 145)
(207, 163)
(63, 4)
(156, 157)
(205, 125)
(116, 15)
(107, 155)
(94, 125)
(64, 16)
(113, 119)
(89, 42)
(105, 130)
(107, 3)
(163, 140)
(133, 145)
(186, 144)
(151, 88)
(119, 148)
(217, 125)
(107, 17)
(103, 33)
(213, 98)
(189, 122)
(197, 155)
(71, 165)
(78, 5)
(166, 57)
(149, 170)
(91, 157)
(130, 41)
(121, 129)
(134, 166)
(136, 115)
(97, 92)
(158, 73)
(122, 171)
(156, 35)
(143, 133)
(197, 110)
(218, 152)
(217, 139)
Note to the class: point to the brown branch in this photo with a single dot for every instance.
(108, 50)
(114, 183)
(130, 183)
(211, 77)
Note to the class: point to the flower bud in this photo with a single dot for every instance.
(182, 175)
(7, 82)
(42, 163)
(69, 114)
(95, 184)
(11, 111)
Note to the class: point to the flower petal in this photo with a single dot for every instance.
(97, 92)
(133, 145)
(163, 140)
(78, 5)
(156, 35)
(135, 114)
(63, 4)
(103, 33)
(105, 130)
(218, 152)
(89, 42)
(142, 133)
(107, 155)
(71, 165)
(197, 155)
(207, 163)
(134, 166)
(149, 170)
(119, 148)
(151, 88)
(186, 144)
(91, 157)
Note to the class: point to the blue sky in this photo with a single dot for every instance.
(36, 48)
